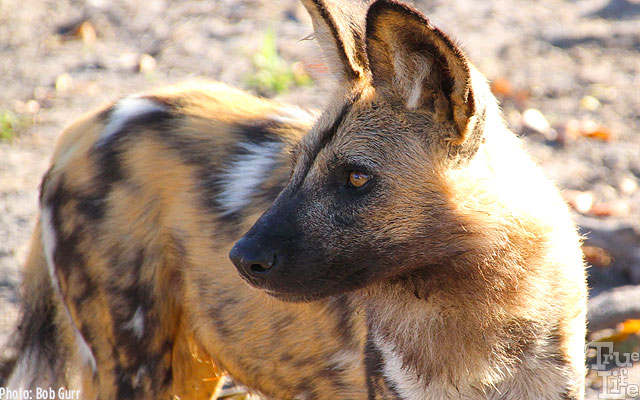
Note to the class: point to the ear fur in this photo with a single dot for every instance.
(414, 60)
(340, 37)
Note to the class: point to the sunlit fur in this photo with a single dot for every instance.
(461, 251)
(463, 262)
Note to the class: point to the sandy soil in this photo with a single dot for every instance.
(571, 60)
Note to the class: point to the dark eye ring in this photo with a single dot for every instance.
(358, 179)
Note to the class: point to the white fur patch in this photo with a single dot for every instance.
(245, 174)
(292, 114)
(346, 359)
(410, 73)
(127, 109)
(405, 381)
(83, 348)
(49, 241)
(140, 374)
(136, 324)
(303, 396)
(20, 377)
(535, 379)
(414, 95)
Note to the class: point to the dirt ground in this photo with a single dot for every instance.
(568, 72)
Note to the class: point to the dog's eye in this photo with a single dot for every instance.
(358, 179)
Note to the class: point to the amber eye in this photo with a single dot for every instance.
(358, 179)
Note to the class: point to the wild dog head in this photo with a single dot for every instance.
(367, 199)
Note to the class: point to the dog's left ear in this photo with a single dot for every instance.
(416, 62)
(340, 36)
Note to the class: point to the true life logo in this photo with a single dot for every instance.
(615, 382)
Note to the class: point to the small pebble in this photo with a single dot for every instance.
(579, 201)
(603, 92)
(129, 61)
(589, 103)
(63, 82)
(628, 186)
(87, 33)
(534, 120)
(32, 107)
(147, 64)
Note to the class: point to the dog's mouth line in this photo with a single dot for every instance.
(292, 297)
(279, 294)
(284, 293)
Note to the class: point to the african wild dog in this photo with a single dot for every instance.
(412, 196)
(408, 193)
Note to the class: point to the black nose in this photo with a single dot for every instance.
(252, 259)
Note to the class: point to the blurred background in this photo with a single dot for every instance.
(566, 71)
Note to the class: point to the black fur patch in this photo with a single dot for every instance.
(343, 311)
(108, 154)
(38, 339)
(124, 292)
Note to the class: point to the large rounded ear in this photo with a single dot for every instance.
(340, 34)
(416, 62)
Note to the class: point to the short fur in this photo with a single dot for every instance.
(459, 250)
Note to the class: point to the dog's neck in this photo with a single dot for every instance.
(460, 326)
(442, 331)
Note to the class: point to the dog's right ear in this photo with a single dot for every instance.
(340, 38)
(416, 62)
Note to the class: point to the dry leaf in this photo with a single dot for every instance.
(574, 129)
(630, 327)
(623, 331)
(317, 70)
(616, 208)
(87, 33)
(501, 87)
(593, 130)
(597, 256)
(590, 129)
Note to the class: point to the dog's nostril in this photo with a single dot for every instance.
(263, 267)
(253, 259)
(259, 268)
